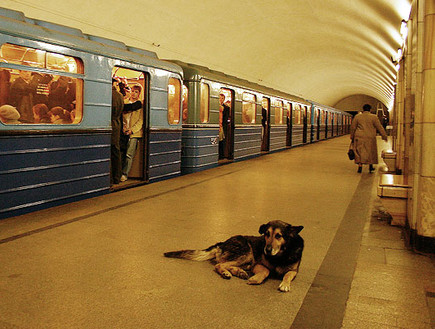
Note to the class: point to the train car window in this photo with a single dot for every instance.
(21, 55)
(204, 112)
(289, 112)
(46, 96)
(248, 108)
(297, 114)
(278, 111)
(174, 98)
(185, 102)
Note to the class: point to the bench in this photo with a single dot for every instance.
(389, 158)
(393, 192)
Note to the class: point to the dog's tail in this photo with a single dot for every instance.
(198, 255)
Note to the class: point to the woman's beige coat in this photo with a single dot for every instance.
(363, 133)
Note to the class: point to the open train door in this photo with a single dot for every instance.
(226, 124)
(289, 121)
(305, 121)
(134, 82)
(265, 123)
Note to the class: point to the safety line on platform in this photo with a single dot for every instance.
(325, 303)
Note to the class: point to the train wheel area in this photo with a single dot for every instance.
(99, 263)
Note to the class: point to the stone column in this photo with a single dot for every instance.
(426, 186)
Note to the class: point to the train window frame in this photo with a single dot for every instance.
(43, 79)
(185, 103)
(278, 104)
(289, 111)
(79, 67)
(174, 101)
(204, 103)
(249, 105)
(297, 116)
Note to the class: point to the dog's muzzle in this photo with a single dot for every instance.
(268, 250)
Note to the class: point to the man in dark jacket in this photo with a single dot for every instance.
(115, 156)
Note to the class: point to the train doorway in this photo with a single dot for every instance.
(318, 121)
(226, 124)
(289, 119)
(133, 85)
(305, 122)
(265, 123)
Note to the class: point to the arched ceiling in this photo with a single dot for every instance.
(323, 50)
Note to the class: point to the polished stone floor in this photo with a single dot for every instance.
(99, 263)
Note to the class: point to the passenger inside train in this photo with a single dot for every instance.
(24, 89)
(131, 85)
(132, 126)
(224, 124)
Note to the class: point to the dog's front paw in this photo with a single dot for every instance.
(242, 275)
(284, 287)
(226, 275)
(255, 280)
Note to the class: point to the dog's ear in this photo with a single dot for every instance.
(296, 229)
(292, 231)
(263, 228)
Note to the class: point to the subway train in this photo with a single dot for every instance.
(56, 104)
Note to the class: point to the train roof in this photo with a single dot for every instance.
(327, 107)
(196, 72)
(15, 23)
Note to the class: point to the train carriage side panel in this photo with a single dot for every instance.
(200, 124)
(278, 137)
(165, 133)
(40, 171)
(248, 129)
(49, 164)
(199, 148)
(247, 142)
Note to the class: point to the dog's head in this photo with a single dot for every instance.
(277, 235)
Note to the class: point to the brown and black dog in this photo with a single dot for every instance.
(278, 251)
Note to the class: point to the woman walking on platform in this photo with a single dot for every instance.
(363, 134)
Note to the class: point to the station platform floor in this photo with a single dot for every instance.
(99, 263)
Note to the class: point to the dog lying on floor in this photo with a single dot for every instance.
(278, 251)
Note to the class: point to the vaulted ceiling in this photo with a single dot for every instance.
(322, 50)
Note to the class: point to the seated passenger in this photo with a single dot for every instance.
(9, 115)
(40, 113)
(59, 116)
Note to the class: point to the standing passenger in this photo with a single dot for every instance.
(264, 123)
(133, 129)
(363, 135)
(20, 96)
(224, 114)
(115, 152)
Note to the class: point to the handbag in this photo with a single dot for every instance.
(351, 152)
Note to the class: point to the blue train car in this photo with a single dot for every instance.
(55, 113)
(230, 119)
(301, 123)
